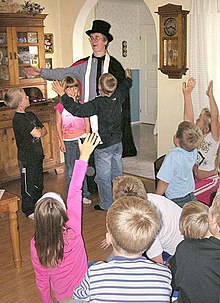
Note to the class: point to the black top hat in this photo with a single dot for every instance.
(102, 27)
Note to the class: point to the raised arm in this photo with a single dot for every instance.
(187, 89)
(214, 112)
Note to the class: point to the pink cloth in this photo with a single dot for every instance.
(72, 127)
(205, 187)
(64, 278)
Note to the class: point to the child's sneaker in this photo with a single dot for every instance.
(86, 201)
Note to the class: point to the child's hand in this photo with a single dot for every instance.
(188, 87)
(58, 88)
(90, 143)
(209, 91)
(128, 73)
(104, 244)
(62, 147)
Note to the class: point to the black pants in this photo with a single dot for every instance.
(31, 185)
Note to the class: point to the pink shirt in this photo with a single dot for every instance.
(72, 127)
(64, 278)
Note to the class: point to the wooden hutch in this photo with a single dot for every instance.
(22, 45)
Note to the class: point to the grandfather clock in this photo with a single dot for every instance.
(173, 40)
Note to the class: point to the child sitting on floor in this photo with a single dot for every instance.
(195, 265)
(175, 176)
(57, 248)
(169, 235)
(132, 225)
(206, 171)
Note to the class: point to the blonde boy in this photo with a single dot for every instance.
(197, 273)
(132, 225)
(194, 220)
(175, 176)
(28, 133)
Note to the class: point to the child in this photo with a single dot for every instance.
(108, 108)
(132, 225)
(194, 220)
(176, 173)
(57, 249)
(28, 133)
(197, 273)
(69, 129)
(206, 172)
(169, 235)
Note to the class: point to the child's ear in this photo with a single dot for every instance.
(176, 141)
(108, 238)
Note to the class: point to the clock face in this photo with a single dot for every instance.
(170, 27)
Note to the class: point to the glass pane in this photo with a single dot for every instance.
(32, 37)
(22, 37)
(4, 68)
(27, 56)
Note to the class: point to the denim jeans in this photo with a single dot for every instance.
(108, 164)
(71, 155)
(183, 200)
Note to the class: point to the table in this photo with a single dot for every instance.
(9, 204)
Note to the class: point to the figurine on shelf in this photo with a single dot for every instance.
(32, 8)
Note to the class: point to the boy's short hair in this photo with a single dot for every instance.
(108, 83)
(13, 97)
(193, 221)
(133, 224)
(215, 208)
(128, 186)
(189, 135)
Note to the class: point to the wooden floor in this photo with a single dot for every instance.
(19, 285)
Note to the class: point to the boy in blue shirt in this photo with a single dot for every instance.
(175, 176)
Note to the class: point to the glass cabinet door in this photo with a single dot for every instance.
(4, 66)
(27, 51)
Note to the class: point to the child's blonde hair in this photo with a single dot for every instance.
(133, 225)
(189, 135)
(128, 186)
(215, 208)
(13, 97)
(108, 83)
(193, 221)
(72, 82)
(206, 117)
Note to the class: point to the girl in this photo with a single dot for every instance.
(69, 129)
(206, 171)
(57, 249)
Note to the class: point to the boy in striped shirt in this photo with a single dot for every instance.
(132, 225)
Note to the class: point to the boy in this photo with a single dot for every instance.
(197, 273)
(28, 131)
(132, 224)
(175, 176)
(108, 108)
(169, 235)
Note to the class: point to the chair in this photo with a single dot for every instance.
(157, 165)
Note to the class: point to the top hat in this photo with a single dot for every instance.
(102, 27)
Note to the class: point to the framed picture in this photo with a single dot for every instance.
(49, 63)
(48, 43)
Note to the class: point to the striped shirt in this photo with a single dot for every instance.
(121, 280)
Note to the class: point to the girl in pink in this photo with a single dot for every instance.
(57, 248)
(70, 128)
(206, 171)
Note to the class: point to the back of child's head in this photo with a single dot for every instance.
(189, 135)
(193, 221)
(13, 97)
(133, 224)
(50, 221)
(215, 209)
(128, 186)
(108, 83)
(72, 82)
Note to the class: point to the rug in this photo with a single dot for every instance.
(138, 167)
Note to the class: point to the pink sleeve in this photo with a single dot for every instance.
(74, 199)
(59, 107)
(41, 276)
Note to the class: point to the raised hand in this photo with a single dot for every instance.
(58, 88)
(128, 73)
(104, 244)
(87, 147)
(209, 91)
(188, 87)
